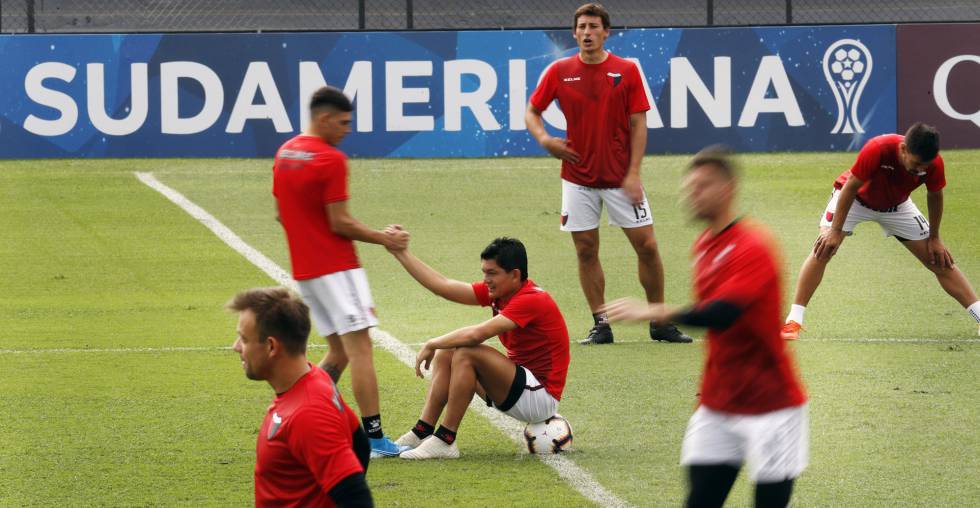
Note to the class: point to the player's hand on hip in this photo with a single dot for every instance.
(827, 243)
(425, 356)
(630, 309)
(561, 149)
(938, 254)
(633, 188)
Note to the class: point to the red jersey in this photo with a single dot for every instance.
(887, 183)
(748, 369)
(597, 100)
(308, 175)
(305, 446)
(540, 341)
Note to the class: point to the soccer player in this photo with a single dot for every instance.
(526, 384)
(311, 450)
(310, 186)
(752, 406)
(602, 98)
(877, 189)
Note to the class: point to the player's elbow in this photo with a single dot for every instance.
(342, 226)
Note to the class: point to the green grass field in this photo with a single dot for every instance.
(118, 389)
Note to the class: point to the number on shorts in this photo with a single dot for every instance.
(921, 221)
(640, 211)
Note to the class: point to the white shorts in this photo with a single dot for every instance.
(905, 221)
(775, 445)
(339, 302)
(581, 207)
(534, 403)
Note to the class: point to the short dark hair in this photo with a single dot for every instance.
(719, 157)
(330, 98)
(923, 141)
(592, 9)
(279, 313)
(509, 253)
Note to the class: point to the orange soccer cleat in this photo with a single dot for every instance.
(791, 330)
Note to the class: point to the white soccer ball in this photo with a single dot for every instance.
(553, 435)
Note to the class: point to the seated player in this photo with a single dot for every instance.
(311, 450)
(526, 384)
(877, 189)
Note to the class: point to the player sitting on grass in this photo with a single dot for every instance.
(877, 189)
(526, 384)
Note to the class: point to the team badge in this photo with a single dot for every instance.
(564, 218)
(276, 422)
(830, 216)
(614, 78)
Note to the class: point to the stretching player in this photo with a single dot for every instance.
(310, 186)
(877, 189)
(526, 384)
(752, 408)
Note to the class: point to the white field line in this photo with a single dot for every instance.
(575, 476)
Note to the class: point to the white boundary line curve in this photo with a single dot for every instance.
(568, 470)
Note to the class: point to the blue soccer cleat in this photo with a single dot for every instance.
(384, 447)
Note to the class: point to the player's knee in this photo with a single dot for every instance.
(587, 252)
(443, 357)
(463, 356)
(648, 249)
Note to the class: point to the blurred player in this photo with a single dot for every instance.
(602, 98)
(310, 186)
(311, 450)
(887, 170)
(752, 406)
(526, 384)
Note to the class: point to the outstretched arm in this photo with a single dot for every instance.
(450, 289)
(344, 224)
(827, 243)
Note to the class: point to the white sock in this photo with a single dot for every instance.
(974, 310)
(796, 313)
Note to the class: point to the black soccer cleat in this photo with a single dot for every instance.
(599, 334)
(668, 333)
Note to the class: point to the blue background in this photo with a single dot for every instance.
(801, 50)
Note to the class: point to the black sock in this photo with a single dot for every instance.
(709, 485)
(600, 319)
(777, 494)
(423, 430)
(447, 436)
(372, 425)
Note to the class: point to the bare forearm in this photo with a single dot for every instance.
(421, 272)
(354, 229)
(935, 203)
(638, 142)
(844, 202)
(535, 125)
(463, 337)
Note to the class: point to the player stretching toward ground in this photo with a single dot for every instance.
(310, 185)
(752, 408)
(887, 170)
(311, 450)
(526, 384)
(602, 98)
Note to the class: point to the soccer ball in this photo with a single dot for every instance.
(553, 435)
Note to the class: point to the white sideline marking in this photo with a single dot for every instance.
(575, 476)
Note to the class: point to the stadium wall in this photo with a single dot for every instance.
(441, 94)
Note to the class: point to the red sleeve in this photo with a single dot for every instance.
(637, 97)
(547, 89)
(522, 309)
(752, 271)
(936, 180)
(334, 169)
(868, 161)
(320, 438)
(482, 293)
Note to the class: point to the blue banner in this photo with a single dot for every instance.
(433, 94)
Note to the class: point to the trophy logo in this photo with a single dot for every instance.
(847, 65)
